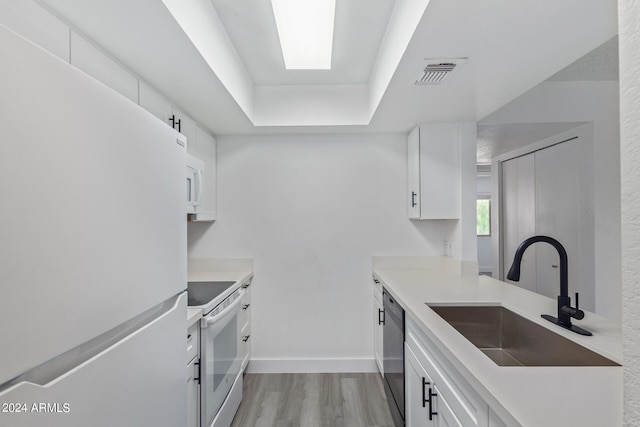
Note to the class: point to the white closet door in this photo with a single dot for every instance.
(519, 216)
(561, 213)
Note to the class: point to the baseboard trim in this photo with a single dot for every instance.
(282, 366)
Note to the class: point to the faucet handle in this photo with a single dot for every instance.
(578, 314)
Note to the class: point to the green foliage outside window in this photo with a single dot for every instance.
(483, 209)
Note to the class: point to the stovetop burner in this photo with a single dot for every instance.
(202, 293)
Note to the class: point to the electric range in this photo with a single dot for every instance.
(208, 295)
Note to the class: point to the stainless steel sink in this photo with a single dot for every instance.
(511, 340)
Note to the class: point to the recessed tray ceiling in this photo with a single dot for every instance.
(240, 89)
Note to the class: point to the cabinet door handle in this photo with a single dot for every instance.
(175, 122)
(244, 307)
(431, 411)
(413, 199)
(425, 383)
(245, 338)
(197, 363)
(381, 320)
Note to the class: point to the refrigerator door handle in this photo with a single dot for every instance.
(55, 369)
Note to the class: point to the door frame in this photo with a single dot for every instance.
(583, 132)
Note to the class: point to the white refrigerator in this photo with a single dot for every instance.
(92, 251)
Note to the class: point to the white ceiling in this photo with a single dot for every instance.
(497, 139)
(494, 139)
(601, 64)
(511, 46)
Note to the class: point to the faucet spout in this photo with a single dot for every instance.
(565, 311)
(514, 271)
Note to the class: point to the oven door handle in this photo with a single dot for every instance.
(213, 319)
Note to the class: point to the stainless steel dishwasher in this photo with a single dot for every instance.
(393, 356)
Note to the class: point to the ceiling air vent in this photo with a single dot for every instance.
(437, 71)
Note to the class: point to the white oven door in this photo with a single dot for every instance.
(220, 358)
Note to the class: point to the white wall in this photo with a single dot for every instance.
(312, 211)
(466, 228)
(485, 255)
(629, 24)
(595, 102)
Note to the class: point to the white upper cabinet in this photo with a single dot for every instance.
(184, 124)
(155, 103)
(433, 155)
(413, 169)
(88, 58)
(34, 23)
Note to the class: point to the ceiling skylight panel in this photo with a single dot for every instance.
(305, 28)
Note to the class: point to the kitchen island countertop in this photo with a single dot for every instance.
(530, 396)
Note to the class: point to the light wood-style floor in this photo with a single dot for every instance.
(313, 400)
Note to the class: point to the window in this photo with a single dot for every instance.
(483, 209)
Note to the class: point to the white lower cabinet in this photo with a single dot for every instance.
(435, 393)
(378, 323)
(425, 404)
(495, 421)
(193, 375)
(193, 389)
(245, 321)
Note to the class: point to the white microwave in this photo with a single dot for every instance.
(195, 168)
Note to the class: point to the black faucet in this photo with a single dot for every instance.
(565, 311)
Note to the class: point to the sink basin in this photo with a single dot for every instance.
(511, 340)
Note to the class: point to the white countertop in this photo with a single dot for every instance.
(219, 276)
(193, 315)
(534, 396)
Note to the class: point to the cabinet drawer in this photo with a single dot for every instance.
(468, 406)
(193, 388)
(245, 310)
(245, 345)
(193, 341)
(377, 289)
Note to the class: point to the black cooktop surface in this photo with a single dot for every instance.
(201, 293)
